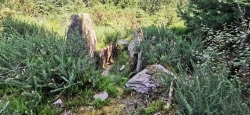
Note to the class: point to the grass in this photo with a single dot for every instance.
(151, 108)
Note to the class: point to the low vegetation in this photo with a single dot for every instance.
(38, 65)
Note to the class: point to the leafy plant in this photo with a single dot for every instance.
(214, 13)
(208, 91)
(232, 47)
(163, 47)
(98, 103)
(40, 62)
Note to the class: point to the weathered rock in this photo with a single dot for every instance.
(133, 53)
(68, 112)
(89, 32)
(107, 54)
(139, 62)
(148, 79)
(123, 44)
(75, 26)
(81, 25)
(137, 38)
(58, 103)
(103, 56)
(103, 95)
(122, 68)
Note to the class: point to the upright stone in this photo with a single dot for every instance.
(133, 53)
(88, 32)
(75, 27)
(81, 26)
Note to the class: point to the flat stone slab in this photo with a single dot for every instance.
(146, 80)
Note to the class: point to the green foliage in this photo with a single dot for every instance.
(98, 103)
(121, 60)
(15, 105)
(213, 13)
(162, 46)
(152, 6)
(232, 47)
(41, 7)
(208, 91)
(107, 83)
(84, 97)
(40, 62)
(152, 107)
(21, 28)
(47, 110)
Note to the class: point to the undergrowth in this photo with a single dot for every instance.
(202, 85)
(39, 64)
(208, 91)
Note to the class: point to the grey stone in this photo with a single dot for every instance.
(146, 80)
(102, 95)
(122, 68)
(122, 42)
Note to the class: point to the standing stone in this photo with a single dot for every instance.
(133, 53)
(75, 26)
(89, 32)
(139, 62)
(137, 38)
(81, 26)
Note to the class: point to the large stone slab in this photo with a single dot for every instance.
(148, 79)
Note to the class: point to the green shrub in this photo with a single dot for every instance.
(163, 47)
(98, 103)
(40, 62)
(232, 47)
(208, 91)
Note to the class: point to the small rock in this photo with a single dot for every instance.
(58, 103)
(85, 109)
(158, 113)
(122, 68)
(68, 112)
(167, 107)
(103, 95)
